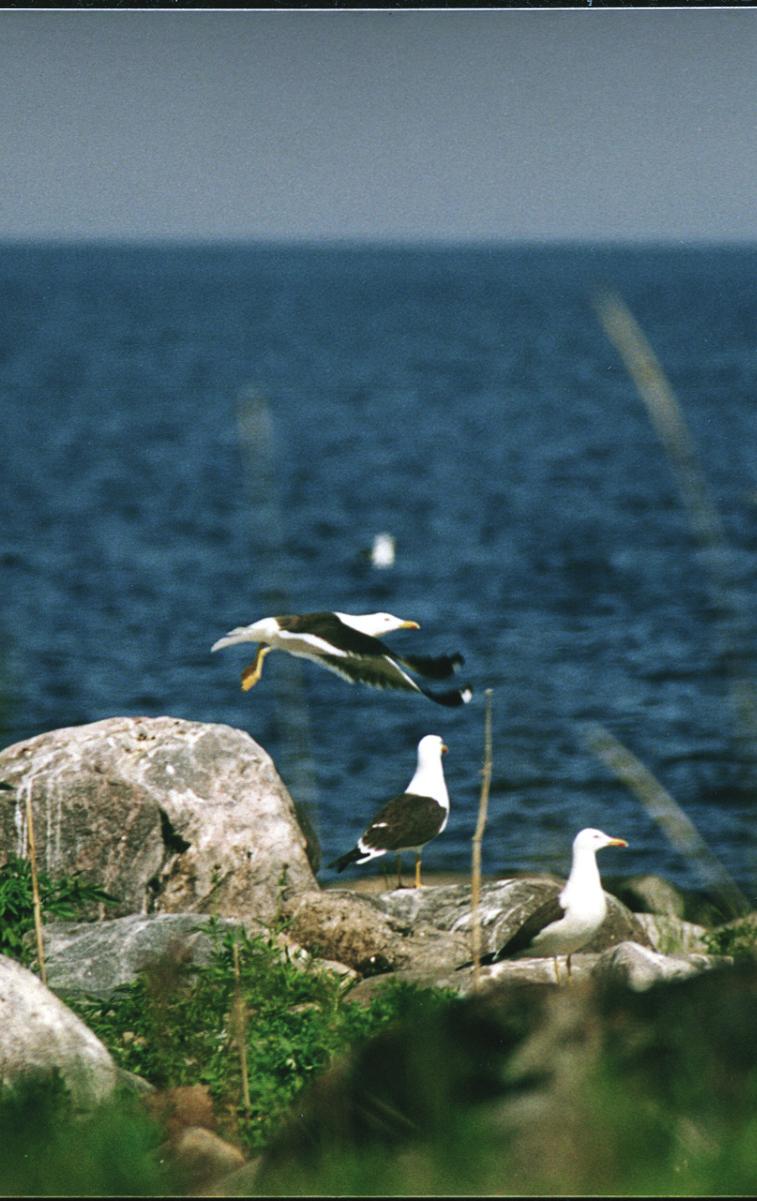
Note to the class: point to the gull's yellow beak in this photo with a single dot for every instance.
(444, 748)
(410, 625)
(617, 842)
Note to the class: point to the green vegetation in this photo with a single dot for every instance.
(180, 1024)
(618, 1094)
(737, 939)
(64, 899)
(46, 1150)
(638, 1094)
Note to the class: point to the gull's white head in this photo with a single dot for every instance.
(431, 747)
(377, 624)
(594, 840)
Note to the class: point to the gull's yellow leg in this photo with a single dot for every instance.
(557, 970)
(418, 871)
(399, 869)
(567, 963)
(254, 670)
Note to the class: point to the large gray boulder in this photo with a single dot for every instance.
(168, 815)
(96, 958)
(39, 1034)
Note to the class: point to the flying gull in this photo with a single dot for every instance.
(408, 821)
(350, 645)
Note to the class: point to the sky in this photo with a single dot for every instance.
(405, 125)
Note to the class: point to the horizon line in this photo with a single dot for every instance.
(359, 242)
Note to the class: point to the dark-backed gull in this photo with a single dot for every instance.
(408, 821)
(567, 922)
(348, 644)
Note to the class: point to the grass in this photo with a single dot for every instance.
(47, 1150)
(64, 898)
(178, 1025)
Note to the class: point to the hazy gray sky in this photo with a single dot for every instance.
(445, 124)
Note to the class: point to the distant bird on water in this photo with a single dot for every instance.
(565, 923)
(349, 645)
(408, 821)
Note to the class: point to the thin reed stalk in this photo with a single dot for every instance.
(239, 1027)
(478, 837)
(669, 816)
(32, 852)
(666, 416)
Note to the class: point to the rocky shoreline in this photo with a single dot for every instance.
(182, 821)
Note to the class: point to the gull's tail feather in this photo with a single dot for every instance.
(232, 638)
(345, 860)
(433, 667)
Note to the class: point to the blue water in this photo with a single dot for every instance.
(196, 437)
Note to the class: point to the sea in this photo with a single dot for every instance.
(195, 436)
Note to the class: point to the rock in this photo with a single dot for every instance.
(428, 952)
(423, 936)
(508, 973)
(651, 894)
(133, 1083)
(353, 929)
(202, 1156)
(168, 815)
(185, 1105)
(639, 967)
(38, 1033)
(237, 1184)
(342, 926)
(98, 957)
(504, 906)
(671, 935)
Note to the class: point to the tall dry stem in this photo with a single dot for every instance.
(32, 850)
(239, 1027)
(478, 837)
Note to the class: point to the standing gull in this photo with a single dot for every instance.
(565, 923)
(408, 821)
(349, 645)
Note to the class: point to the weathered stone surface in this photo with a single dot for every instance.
(672, 935)
(354, 930)
(203, 1156)
(38, 1033)
(168, 815)
(651, 894)
(237, 1184)
(97, 957)
(640, 967)
(342, 926)
(182, 1106)
(508, 973)
(429, 952)
(626, 963)
(504, 906)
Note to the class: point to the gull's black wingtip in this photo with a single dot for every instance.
(453, 698)
(345, 860)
